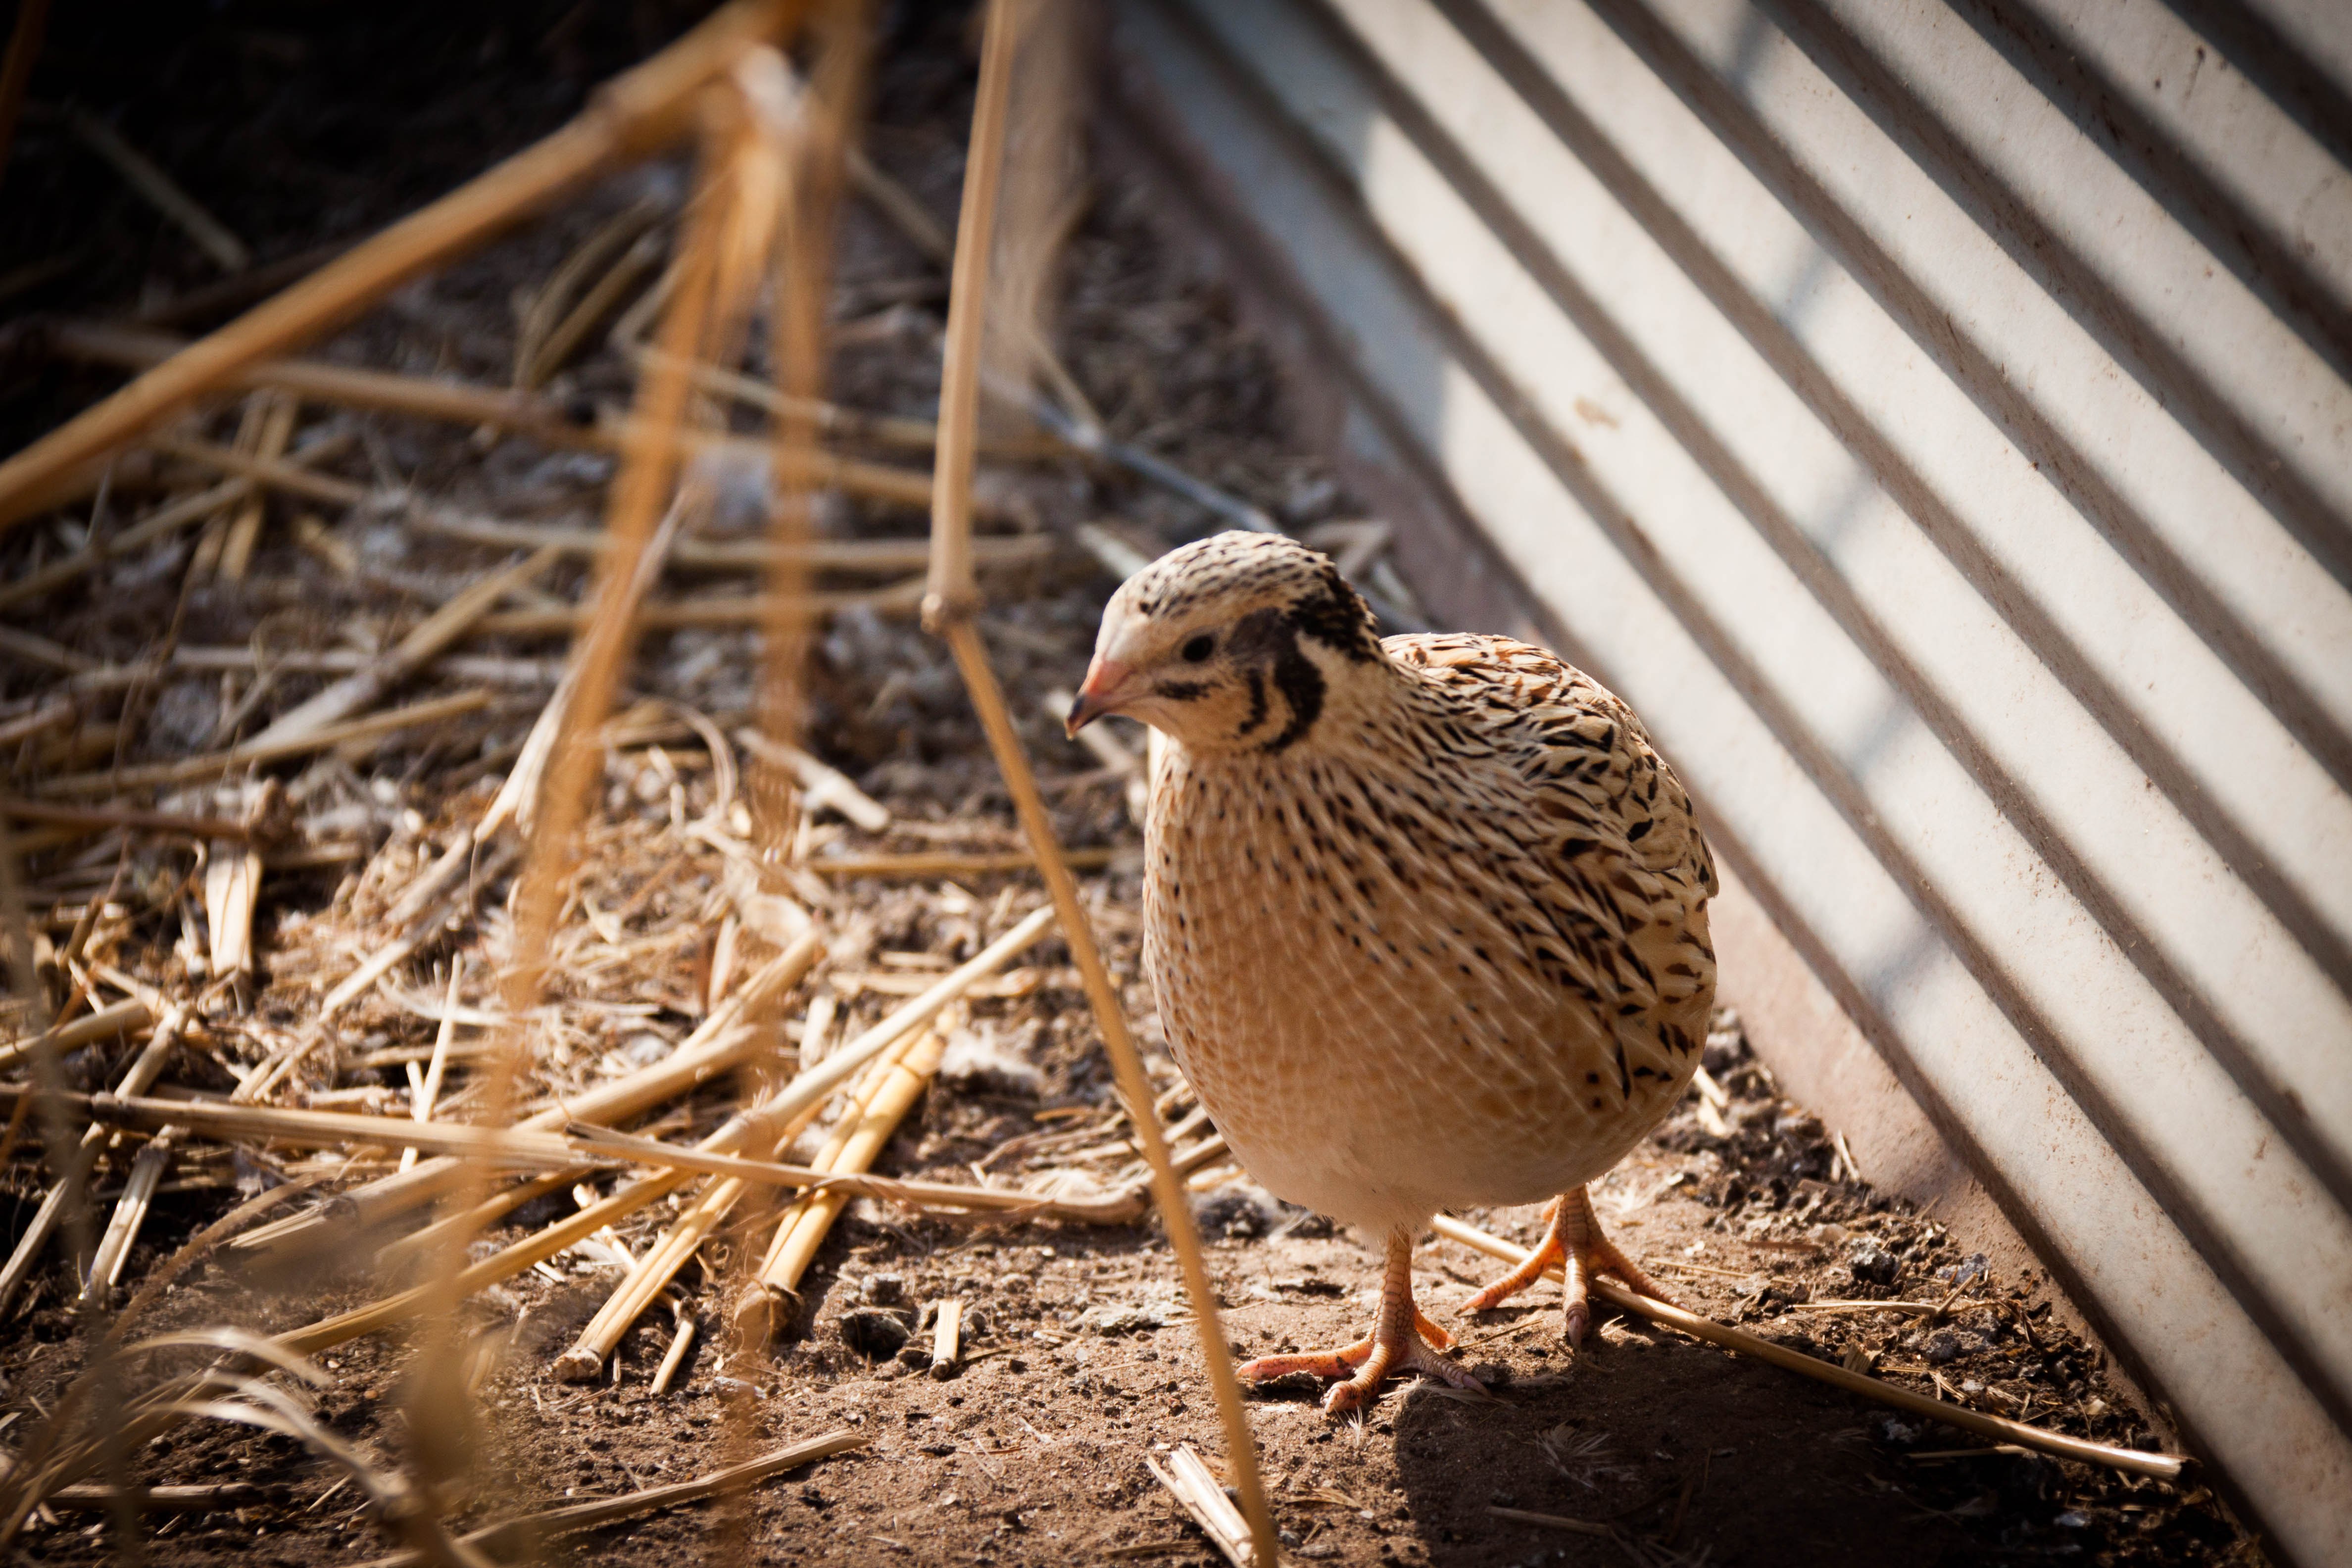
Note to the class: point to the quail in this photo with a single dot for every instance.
(1425, 916)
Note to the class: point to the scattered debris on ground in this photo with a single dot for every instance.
(248, 902)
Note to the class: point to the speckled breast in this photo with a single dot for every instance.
(1352, 1014)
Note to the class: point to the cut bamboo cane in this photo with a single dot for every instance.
(892, 1086)
(947, 1339)
(949, 608)
(2163, 1467)
(631, 115)
(194, 770)
(661, 1264)
(814, 1083)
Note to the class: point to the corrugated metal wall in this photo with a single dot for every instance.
(1933, 416)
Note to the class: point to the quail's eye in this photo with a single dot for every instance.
(1199, 649)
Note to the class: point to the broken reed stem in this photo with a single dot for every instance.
(2163, 1467)
(890, 1088)
(1188, 1478)
(948, 609)
(428, 1088)
(631, 115)
(681, 1340)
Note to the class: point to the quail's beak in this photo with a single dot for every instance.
(1104, 691)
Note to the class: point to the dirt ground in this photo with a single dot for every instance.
(298, 128)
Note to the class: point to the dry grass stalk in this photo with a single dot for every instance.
(123, 816)
(890, 1087)
(540, 345)
(518, 1536)
(880, 556)
(945, 863)
(158, 525)
(744, 610)
(233, 870)
(217, 1496)
(427, 1084)
(720, 1044)
(270, 441)
(1187, 1478)
(2163, 1467)
(949, 608)
(144, 1069)
(118, 1018)
(813, 1084)
(196, 770)
(160, 191)
(823, 786)
(364, 687)
(633, 114)
(267, 471)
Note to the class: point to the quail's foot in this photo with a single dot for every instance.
(1403, 1339)
(1573, 1240)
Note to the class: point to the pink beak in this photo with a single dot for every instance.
(1101, 694)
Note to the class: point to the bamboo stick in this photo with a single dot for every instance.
(635, 112)
(662, 1262)
(2163, 1467)
(896, 1080)
(948, 609)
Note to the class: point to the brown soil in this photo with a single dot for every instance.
(296, 127)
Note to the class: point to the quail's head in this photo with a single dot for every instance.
(1237, 642)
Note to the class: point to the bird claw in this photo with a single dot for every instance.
(1572, 1241)
(1371, 1363)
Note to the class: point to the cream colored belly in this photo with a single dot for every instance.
(1372, 1085)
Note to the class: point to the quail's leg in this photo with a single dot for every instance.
(1401, 1340)
(1573, 1241)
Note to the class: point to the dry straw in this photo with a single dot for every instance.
(948, 610)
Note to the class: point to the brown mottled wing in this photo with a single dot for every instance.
(1628, 872)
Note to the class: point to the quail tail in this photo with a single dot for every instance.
(1403, 1339)
(1574, 1242)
